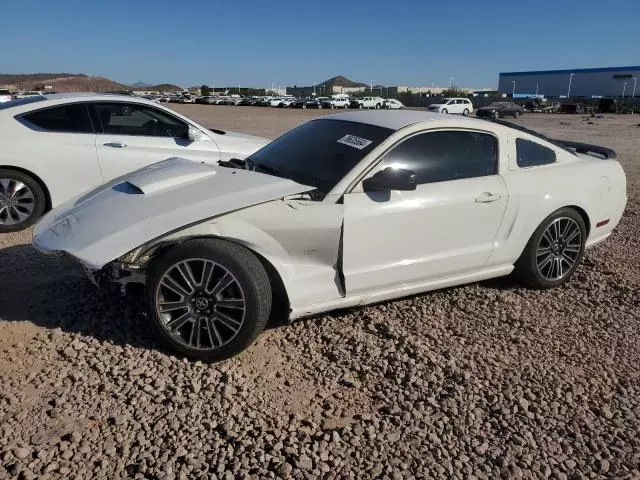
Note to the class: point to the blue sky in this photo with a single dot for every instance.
(255, 43)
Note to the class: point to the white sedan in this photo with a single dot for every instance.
(393, 104)
(344, 210)
(57, 146)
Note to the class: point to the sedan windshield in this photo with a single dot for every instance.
(319, 153)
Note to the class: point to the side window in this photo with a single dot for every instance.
(446, 155)
(531, 154)
(119, 118)
(71, 118)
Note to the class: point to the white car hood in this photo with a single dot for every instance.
(129, 211)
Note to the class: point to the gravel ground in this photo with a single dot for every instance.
(484, 381)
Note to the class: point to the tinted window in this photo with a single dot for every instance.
(319, 153)
(72, 118)
(442, 156)
(530, 154)
(120, 118)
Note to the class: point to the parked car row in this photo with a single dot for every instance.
(334, 102)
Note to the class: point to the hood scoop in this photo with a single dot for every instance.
(165, 175)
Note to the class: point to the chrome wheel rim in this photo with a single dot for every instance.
(16, 202)
(200, 304)
(559, 248)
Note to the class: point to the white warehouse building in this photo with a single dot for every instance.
(612, 82)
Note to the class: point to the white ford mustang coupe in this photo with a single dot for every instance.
(344, 210)
(57, 146)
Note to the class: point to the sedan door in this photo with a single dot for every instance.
(134, 135)
(60, 147)
(444, 228)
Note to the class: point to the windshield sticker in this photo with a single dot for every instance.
(355, 142)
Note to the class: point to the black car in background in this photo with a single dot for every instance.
(500, 109)
(307, 103)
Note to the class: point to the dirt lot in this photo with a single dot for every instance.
(483, 381)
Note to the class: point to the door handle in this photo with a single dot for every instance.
(488, 197)
(115, 144)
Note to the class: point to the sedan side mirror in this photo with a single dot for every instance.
(194, 134)
(390, 179)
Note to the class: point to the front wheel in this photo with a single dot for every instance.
(465, 112)
(554, 251)
(496, 115)
(208, 299)
(516, 114)
(22, 201)
(444, 110)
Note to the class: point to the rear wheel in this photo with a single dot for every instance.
(496, 115)
(554, 251)
(304, 106)
(516, 114)
(465, 112)
(22, 201)
(208, 299)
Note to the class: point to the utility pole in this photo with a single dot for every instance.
(624, 87)
(569, 91)
(513, 91)
(633, 95)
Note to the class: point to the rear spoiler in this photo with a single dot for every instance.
(585, 148)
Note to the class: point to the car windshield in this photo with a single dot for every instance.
(22, 101)
(319, 153)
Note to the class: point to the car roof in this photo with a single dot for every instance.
(63, 98)
(396, 120)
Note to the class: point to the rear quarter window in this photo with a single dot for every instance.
(69, 118)
(532, 154)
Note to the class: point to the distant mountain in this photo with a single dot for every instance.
(341, 81)
(61, 82)
(140, 85)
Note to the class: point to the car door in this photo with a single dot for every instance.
(61, 149)
(133, 135)
(443, 228)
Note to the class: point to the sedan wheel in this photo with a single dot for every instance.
(22, 201)
(465, 112)
(496, 115)
(444, 110)
(516, 114)
(554, 251)
(209, 299)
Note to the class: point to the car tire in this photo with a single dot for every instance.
(188, 315)
(496, 115)
(377, 106)
(444, 110)
(465, 112)
(516, 114)
(22, 201)
(346, 106)
(360, 105)
(554, 251)
(304, 106)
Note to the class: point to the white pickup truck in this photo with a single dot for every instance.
(371, 102)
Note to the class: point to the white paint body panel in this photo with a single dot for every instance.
(351, 248)
(111, 220)
(71, 163)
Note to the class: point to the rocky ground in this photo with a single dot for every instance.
(484, 381)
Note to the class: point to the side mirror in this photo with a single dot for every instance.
(390, 179)
(194, 134)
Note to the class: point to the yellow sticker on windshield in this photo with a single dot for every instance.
(355, 142)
